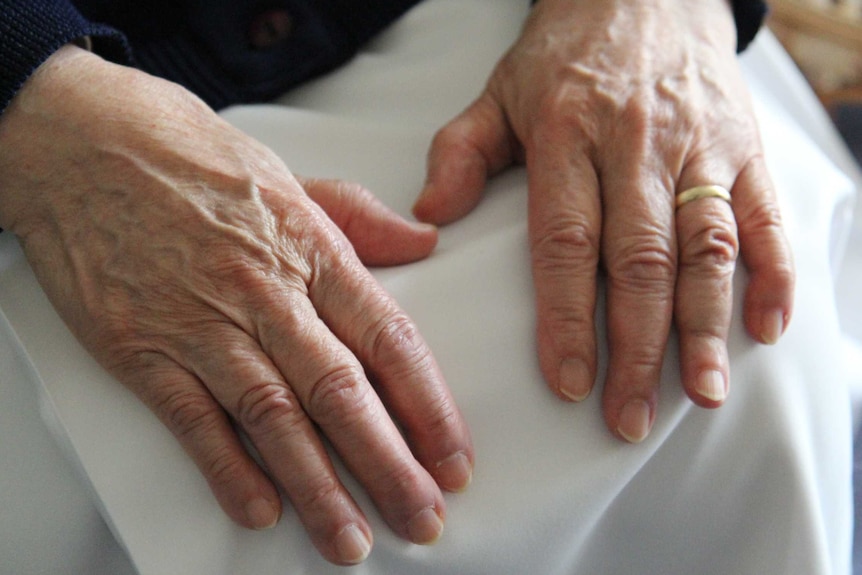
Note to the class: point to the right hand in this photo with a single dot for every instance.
(197, 270)
(616, 107)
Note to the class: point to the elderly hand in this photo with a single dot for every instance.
(196, 269)
(617, 107)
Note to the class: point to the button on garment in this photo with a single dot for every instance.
(225, 51)
(270, 29)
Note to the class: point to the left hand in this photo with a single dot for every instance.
(617, 106)
(228, 295)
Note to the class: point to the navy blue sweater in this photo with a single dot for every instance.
(205, 44)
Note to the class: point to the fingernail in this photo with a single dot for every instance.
(352, 545)
(773, 327)
(575, 380)
(423, 227)
(261, 513)
(634, 423)
(710, 384)
(425, 527)
(455, 472)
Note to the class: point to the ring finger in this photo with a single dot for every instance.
(708, 249)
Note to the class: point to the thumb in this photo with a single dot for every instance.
(379, 235)
(475, 145)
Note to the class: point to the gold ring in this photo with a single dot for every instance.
(698, 192)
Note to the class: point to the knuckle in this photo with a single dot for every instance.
(340, 397)
(764, 217)
(783, 273)
(119, 325)
(645, 263)
(236, 271)
(328, 253)
(559, 111)
(712, 335)
(754, 169)
(443, 419)
(266, 406)
(108, 324)
(449, 136)
(575, 127)
(763, 214)
(400, 483)
(716, 247)
(353, 196)
(779, 278)
(398, 340)
(560, 99)
(564, 241)
(320, 495)
(357, 204)
(641, 361)
(460, 139)
(570, 321)
(276, 330)
(125, 360)
(649, 118)
(189, 413)
(645, 364)
(638, 116)
(225, 468)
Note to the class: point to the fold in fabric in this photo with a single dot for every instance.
(761, 485)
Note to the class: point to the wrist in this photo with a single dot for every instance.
(41, 104)
(53, 79)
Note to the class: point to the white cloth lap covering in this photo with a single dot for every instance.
(761, 485)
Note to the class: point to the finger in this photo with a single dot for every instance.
(411, 384)
(564, 229)
(766, 253)
(334, 392)
(405, 373)
(244, 380)
(464, 153)
(639, 254)
(191, 413)
(379, 235)
(708, 247)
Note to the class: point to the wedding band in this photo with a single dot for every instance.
(698, 192)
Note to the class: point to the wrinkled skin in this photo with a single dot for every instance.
(616, 106)
(216, 286)
(227, 293)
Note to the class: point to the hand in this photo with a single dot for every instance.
(616, 107)
(196, 269)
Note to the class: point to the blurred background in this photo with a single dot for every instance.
(824, 37)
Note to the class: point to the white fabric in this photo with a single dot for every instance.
(760, 486)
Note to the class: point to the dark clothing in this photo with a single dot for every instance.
(226, 51)
(204, 45)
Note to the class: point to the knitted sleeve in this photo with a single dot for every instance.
(749, 15)
(32, 30)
